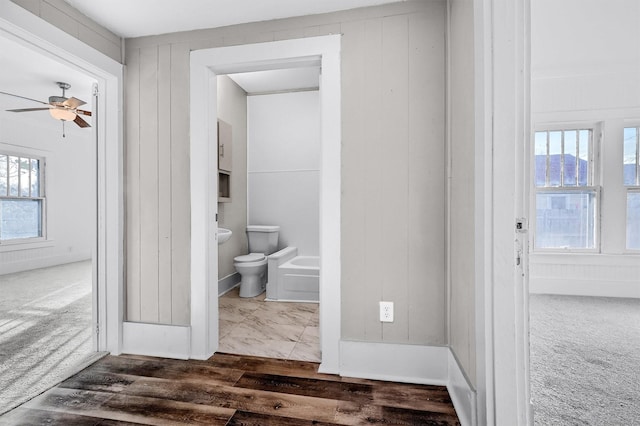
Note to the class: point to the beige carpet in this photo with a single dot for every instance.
(45, 330)
(585, 360)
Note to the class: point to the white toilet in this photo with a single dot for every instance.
(252, 267)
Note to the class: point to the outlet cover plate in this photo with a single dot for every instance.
(386, 311)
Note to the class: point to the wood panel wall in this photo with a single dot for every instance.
(393, 166)
(462, 187)
(62, 15)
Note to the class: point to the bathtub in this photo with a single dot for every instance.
(292, 277)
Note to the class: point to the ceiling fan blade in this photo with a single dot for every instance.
(73, 103)
(28, 109)
(23, 97)
(80, 122)
(83, 112)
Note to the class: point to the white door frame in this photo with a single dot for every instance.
(502, 80)
(36, 34)
(205, 66)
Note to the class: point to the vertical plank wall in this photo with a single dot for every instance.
(157, 183)
(461, 182)
(62, 15)
(393, 165)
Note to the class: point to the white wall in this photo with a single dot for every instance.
(284, 167)
(587, 72)
(461, 153)
(70, 190)
(232, 108)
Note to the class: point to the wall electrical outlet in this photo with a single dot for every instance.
(386, 311)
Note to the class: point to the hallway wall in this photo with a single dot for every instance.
(393, 188)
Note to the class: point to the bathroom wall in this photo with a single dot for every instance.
(232, 108)
(70, 187)
(284, 167)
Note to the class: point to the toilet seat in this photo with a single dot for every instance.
(251, 257)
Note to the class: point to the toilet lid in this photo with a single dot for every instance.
(251, 257)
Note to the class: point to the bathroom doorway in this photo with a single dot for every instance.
(206, 65)
(269, 145)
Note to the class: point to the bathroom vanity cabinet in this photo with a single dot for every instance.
(225, 151)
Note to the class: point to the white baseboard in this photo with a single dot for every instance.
(395, 362)
(21, 265)
(584, 287)
(166, 341)
(228, 282)
(589, 274)
(421, 364)
(462, 393)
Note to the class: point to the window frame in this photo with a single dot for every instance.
(594, 185)
(42, 197)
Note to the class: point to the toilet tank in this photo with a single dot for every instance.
(263, 238)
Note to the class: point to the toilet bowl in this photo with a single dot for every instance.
(253, 272)
(252, 267)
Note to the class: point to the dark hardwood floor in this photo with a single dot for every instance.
(229, 390)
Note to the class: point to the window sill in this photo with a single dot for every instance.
(26, 245)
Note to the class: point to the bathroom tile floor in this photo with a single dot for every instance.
(253, 326)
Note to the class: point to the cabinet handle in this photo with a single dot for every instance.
(222, 150)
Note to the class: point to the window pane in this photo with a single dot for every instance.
(633, 220)
(583, 168)
(25, 174)
(20, 219)
(555, 156)
(630, 155)
(541, 158)
(35, 178)
(565, 219)
(14, 169)
(3, 175)
(570, 152)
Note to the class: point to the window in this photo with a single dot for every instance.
(631, 180)
(566, 198)
(21, 198)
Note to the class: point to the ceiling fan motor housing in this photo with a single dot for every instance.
(56, 100)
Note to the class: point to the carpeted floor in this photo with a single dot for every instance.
(585, 360)
(45, 329)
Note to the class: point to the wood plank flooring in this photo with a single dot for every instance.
(229, 390)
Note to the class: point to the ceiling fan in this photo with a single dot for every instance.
(60, 107)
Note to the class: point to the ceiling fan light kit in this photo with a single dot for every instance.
(62, 114)
(59, 107)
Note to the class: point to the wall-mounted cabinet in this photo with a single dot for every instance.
(225, 146)
(225, 150)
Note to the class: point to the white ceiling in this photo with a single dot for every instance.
(28, 73)
(135, 18)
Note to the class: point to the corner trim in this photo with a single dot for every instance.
(166, 341)
(462, 393)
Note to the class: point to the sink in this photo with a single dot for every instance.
(223, 235)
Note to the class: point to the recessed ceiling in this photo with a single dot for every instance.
(135, 18)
